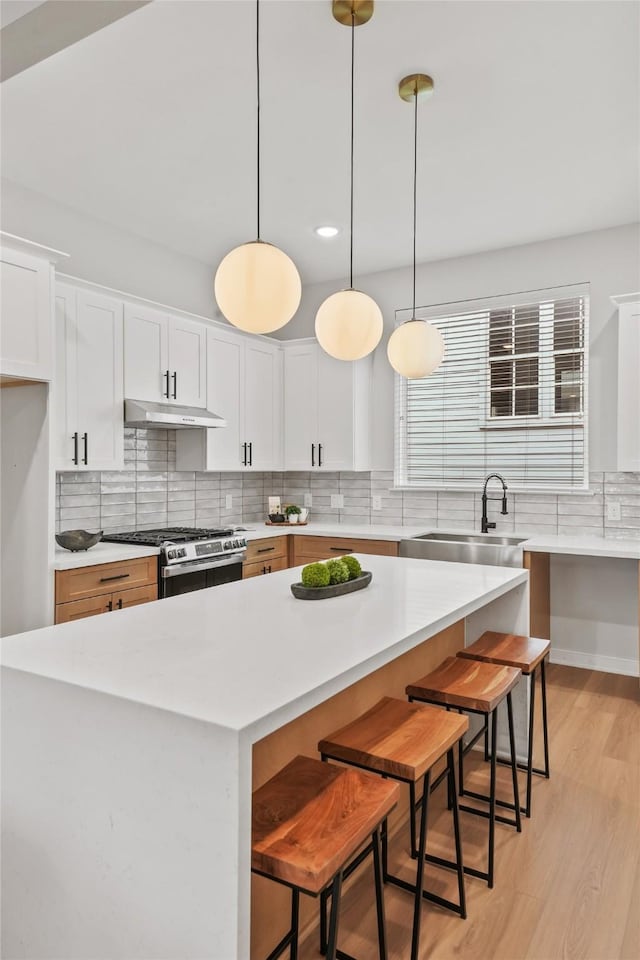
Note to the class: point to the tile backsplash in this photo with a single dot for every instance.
(150, 492)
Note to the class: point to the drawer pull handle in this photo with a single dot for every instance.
(120, 604)
(118, 576)
(265, 549)
(341, 550)
(110, 606)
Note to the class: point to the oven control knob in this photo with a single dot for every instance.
(170, 554)
(182, 553)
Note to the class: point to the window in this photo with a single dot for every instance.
(508, 397)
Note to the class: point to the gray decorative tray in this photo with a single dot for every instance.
(335, 590)
(76, 540)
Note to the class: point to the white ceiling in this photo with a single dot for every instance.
(11, 10)
(149, 125)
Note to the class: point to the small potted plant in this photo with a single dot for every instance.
(292, 512)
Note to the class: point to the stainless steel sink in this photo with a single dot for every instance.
(463, 548)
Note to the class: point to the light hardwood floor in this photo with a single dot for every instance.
(567, 887)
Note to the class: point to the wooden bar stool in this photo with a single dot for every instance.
(477, 688)
(308, 821)
(403, 741)
(526, 653)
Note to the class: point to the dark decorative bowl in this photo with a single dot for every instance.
(277, 517)
(76, 540)
(301, 592)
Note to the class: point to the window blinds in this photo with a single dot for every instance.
(510, 395)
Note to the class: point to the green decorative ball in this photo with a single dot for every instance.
(338, 571)
(353, 566)
(316, 575)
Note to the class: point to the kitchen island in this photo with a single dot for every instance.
(132, 741)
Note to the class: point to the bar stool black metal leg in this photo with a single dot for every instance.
(545, 731)
(385, 850)
(492, 797)
(324, 896)
(514, 766)
(332, 942)
(456, 833)
(377, 870)
(422, 846)
(295, 921)
(532, 702)
(412, 819)
(486, 741)
(461, 764)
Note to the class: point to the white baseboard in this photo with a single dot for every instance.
(594, 661)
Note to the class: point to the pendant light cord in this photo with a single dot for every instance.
(258, 117)
(415, 191)
(353, 44)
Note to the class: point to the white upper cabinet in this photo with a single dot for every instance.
(89, 380)
(244, 386)
(27, 315)
(628, 381)
(326, 410)
(165, 358)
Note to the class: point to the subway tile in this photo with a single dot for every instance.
(124, 522)
(79, 489)
(576, 521)
(151, 496)
(79, 513)
(565, 530)
(122, 498)
(151, 520)
(82, 500)
(622, 533)
(579, 510)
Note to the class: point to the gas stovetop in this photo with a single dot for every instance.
(187, 545)
(156, 538)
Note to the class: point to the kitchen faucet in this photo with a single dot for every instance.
(486, 526)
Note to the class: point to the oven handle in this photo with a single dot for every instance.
(179, 569)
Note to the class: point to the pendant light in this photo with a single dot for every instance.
(349, 323)
(416, 347)
(257, 286)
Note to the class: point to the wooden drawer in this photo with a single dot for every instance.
(267, 565)
(104, 578)
(131, 598)
(307, 549)
(267, 549)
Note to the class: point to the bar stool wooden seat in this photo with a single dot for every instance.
(403, 741)
(308, 821)
(477, 688)
(526, 653)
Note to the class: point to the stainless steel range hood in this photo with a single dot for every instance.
(140, 413)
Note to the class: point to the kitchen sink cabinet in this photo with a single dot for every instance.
(244, 386)
(326, 410)
(164, 357)
(88, 591)
(89, 397)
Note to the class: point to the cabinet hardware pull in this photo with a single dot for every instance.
(319, 454)
(269, 569)
(166, 389)
(175, 384)
(110, 606)
(313, 454)
(340, 550)
(75, 449)
(264, 569)
(120, 604)
(118, 576)
(244, 454)
(265, 549)
(251, 454)
(85, 439)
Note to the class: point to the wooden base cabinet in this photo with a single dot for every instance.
(89, 591)
(307, 549)
(266, 556)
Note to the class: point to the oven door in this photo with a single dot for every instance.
(187, 577)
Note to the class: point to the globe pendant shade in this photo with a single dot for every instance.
(349, 325)
(258, 287)
(415, 349)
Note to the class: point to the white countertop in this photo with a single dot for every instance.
(240, 654)
(577, 546)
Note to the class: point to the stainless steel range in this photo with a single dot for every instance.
(190, 558)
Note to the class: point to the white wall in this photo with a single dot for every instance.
(105, 254)
(608, 259)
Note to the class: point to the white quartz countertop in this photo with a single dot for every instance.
(101, 553)
(243, 654)
(585, 546)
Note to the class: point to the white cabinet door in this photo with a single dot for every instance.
(301, 407)
(335, 413)
(26, 319)
(224, 397)
(262, 389)
(188, 362)
(628, 382)
(146, 354)
(90, 394)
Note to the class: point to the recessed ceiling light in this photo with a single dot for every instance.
(327, 231)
